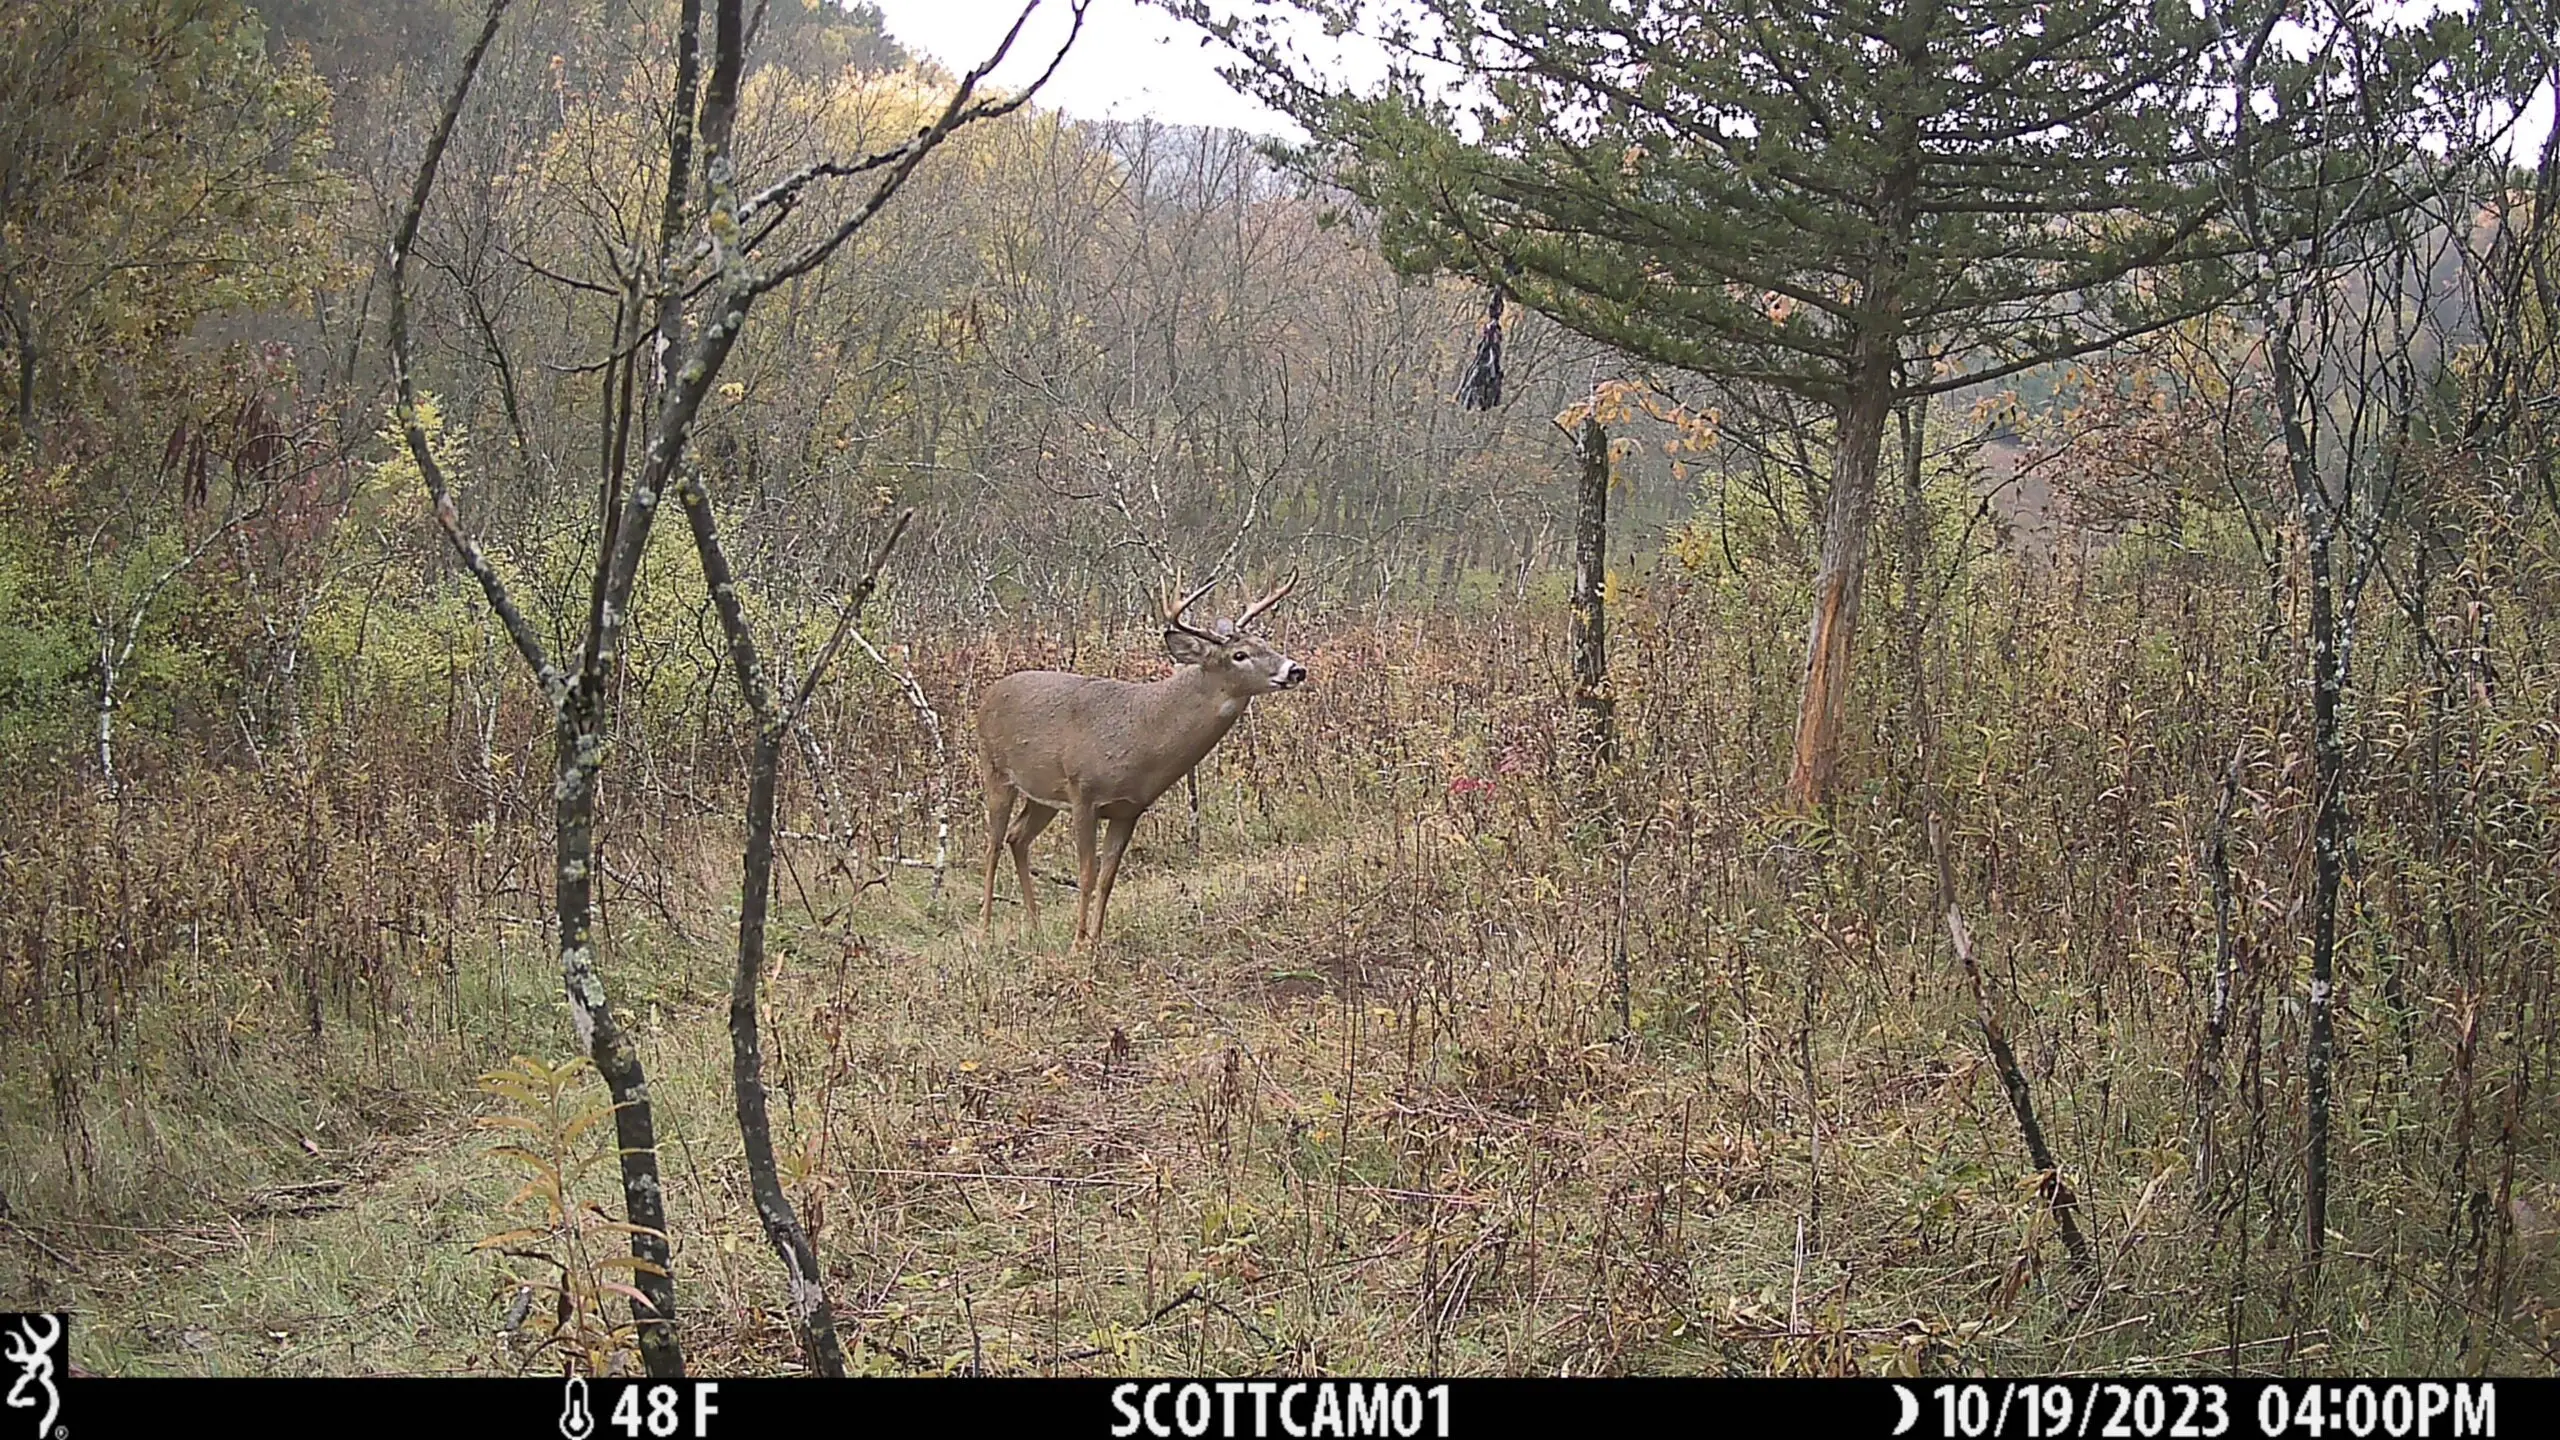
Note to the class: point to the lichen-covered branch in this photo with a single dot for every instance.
(578, 730)
(811, 1314)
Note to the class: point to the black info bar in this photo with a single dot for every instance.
(1303, 1408)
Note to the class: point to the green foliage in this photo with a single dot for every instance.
(557, 1276)
(161, 175)
(44, 653)
(161, 167)
(1757, 195)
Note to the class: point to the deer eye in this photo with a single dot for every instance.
(1241, 656)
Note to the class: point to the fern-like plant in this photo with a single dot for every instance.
(562, 1260)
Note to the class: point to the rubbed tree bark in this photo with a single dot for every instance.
(1592, 703)
(1874, 380)
(1838, 581)
(811, 1313)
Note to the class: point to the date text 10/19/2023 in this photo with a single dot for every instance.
(2116, 1410)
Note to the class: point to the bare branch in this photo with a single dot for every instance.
(958, 113)
(412, 427)
(860, 595)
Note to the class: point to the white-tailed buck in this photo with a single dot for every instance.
(1105, 749)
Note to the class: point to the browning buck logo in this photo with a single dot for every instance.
(33, 1343)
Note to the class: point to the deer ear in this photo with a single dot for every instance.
(1185, 647)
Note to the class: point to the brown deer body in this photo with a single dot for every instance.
(1104, 750)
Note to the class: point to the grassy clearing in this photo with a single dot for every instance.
(1269, 1126)
(1347, 1089)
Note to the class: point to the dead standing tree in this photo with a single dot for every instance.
(723, 263)
(2350, 229)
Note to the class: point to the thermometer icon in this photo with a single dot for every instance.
(577, 1422)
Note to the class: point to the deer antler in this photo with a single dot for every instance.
(1278, 594)
(1173, 614)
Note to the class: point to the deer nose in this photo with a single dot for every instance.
(1293, 673)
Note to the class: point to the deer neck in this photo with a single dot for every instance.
(1191, 715)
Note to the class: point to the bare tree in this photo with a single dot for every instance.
(732, 228)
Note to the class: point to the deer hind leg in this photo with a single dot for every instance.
(1035, 817)
(1000, 797)
(1114, 842)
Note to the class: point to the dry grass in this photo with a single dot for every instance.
(1347, 1089)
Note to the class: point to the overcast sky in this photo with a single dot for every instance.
(1133, 60)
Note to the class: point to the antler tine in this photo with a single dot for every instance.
(1173, 613)
(1278, 594)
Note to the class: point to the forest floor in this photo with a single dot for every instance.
(1317, 1103)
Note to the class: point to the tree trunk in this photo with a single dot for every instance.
(680, 118)
(2319, 516)
(581, 743)
(811, 1313)
(1874, 377)
(1914, 418)
(1588, 626)
(107, 722)
(1836, 586)
(580, 694)
(2327, 836)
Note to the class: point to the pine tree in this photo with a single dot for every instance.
(1858, 203)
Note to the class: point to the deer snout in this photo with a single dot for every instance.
(1291, 674)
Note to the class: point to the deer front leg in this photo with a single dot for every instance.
(999, 810)
(1114, 842)
(1085, 819)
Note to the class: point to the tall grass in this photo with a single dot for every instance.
(1419, 1053)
